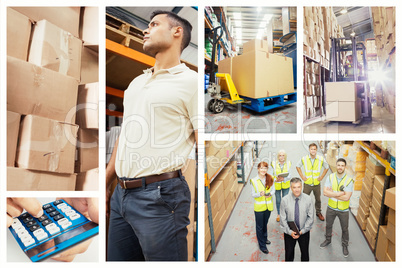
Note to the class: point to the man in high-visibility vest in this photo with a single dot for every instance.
(315, 168)
(339, 189)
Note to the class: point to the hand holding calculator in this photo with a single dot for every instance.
(60, 227)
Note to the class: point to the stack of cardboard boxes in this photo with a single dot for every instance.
(384, 32)
(218, 153)
(312, 90)
(356, 166)
(44, 71)
(257, 73)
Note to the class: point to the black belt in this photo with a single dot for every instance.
(136, 183)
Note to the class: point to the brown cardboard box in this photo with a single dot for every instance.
(215, 191)
(89, 27)
(344, 111)
(391, 251)
(342, 91)
(373, 168)
(362, 221)
(382, 244)
(391, 232)
(369, 177)
(87, 106)
(39, 91)
(379, 182)
(391, 216)
(46, 144)
(88, 180)
(225, 66)
(377, 195)
(364, 205)
(13, 126)
(371, 226)
(19, 179)
(89, 66)
(260, 74)
(55, 49)
(390, 198)
(375, 208)
(225, 176)
(18, 33)
(88, 149)
(67, 18)
(255, 45)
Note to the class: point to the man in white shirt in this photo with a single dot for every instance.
(150, 205)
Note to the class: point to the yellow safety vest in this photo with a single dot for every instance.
(277, 170)
(333, 202)
(312, 172)
(262, 203)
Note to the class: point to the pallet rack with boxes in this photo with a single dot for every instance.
(49, 93)
(374, 178)
(125, 60)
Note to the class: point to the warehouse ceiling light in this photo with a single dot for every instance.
(352, 34)
(344, 11)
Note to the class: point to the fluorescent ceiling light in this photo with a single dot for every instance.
(344, 11)
(353, 34)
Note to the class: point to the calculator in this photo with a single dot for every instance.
(60, 227)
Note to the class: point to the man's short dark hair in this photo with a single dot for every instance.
(341, 160)
(295, 180)
(176, 20)
(313, 144)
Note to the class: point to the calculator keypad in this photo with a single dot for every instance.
(58, 216)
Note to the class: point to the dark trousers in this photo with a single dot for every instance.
(343, 219)
(290, 243)
(278, 197)
(149, 223)
(316, 189)
(261, 221)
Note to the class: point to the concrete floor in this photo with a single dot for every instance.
(236, 119)
(239, 241)
(382, 122)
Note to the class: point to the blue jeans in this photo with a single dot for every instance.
(278, 198)
(261, 221)
(150, 222)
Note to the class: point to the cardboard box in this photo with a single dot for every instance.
(55, 49)
(18, 33)
(87, 106)
(391, 216)
(260, 74)
(369, 178)
(255, 45)
(362, 221)
(215, 191)
(13, 127)
(39, 91)
(390, 255)
(89, 66)
(382, 244)
(377, 195)
(225, 66)
(19, 179)
(88, 149)
(89, 27)
(67, 18)
(88, 180)
(390, 198)
(391, 232)
(344, 111)
(379, 181)
(375, 169)
(46, 145)
(342, 91)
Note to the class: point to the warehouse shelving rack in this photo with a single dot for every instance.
(388, 171)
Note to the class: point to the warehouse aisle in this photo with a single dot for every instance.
(239, 241)
(383, 122)
(280, 120)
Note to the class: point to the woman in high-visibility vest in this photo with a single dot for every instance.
(282, 184)
(262, 191)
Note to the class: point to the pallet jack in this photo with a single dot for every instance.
(223, 91)
(353, 72)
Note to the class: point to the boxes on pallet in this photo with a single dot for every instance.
(66, 18)
(39, 91)
(258, 74)
(46, 144)
(88, 149)
(88, 180)
(20, 179)
(18, 34)
(13, 127)
(55, 49)
(89, 66)
(87, 106)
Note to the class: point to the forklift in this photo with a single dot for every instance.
(352, 71)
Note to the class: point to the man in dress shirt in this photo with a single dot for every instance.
(297, 207)
(150, 205)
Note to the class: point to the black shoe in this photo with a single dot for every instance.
(265, 251)
(325, 244)
(268, 242)
(345, 251)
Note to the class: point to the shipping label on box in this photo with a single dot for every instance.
(46, 144)
(18, 34)
(35, 90)
(55, 49)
